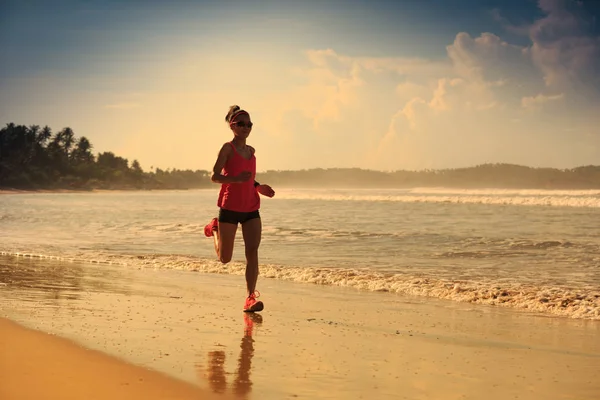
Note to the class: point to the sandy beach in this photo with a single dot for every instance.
(183, 333)
(36, 365)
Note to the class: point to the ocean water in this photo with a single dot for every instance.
(531, 250)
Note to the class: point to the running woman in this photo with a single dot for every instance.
(239, 201)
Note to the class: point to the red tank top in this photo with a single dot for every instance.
(241, 197)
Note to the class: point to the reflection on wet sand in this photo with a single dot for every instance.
(41, 280)
(34, 279)
(215, 373)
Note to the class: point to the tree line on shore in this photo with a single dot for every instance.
(34, 158)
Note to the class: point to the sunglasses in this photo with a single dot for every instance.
(242, 124)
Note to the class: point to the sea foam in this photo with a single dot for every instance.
(582, 303)
(525, 197)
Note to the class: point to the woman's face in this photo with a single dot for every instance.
(241, 126)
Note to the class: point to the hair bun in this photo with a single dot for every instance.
(232, 110)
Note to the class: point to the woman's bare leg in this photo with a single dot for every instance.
(252, 231)
(224, 240)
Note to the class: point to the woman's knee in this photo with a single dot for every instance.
(224, 260)
(225, 257)
(252, 249)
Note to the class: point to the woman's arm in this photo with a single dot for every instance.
(265, 190)
(224, 154)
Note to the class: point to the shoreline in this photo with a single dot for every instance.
(310, 342)
(544, 301)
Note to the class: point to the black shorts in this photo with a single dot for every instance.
(236, 217)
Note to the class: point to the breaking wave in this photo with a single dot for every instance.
(556, 198)
(583, 303)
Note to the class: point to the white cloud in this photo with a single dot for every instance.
(568, 57)
(485, 58)
(533, 102)
(473, 106)
(464, 110)
(331, 83)
(410, 111)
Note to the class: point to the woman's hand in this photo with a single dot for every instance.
(265, 190)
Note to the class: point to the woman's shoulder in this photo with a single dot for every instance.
(227, 147)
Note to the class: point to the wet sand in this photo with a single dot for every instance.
(310, 342)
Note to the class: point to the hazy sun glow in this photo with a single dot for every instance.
(384, 85)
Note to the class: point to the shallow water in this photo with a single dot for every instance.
(310, 343)
(534, 250)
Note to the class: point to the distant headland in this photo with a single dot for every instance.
(35, 158)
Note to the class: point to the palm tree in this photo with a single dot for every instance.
(83, 151)
(67, 138)
(59, 149)
(44, 136)
(32, 132)
(17, 149)
(135, 166)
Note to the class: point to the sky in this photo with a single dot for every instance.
(383, 85)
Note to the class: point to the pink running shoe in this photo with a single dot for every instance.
(253, 305)
(212, 227)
